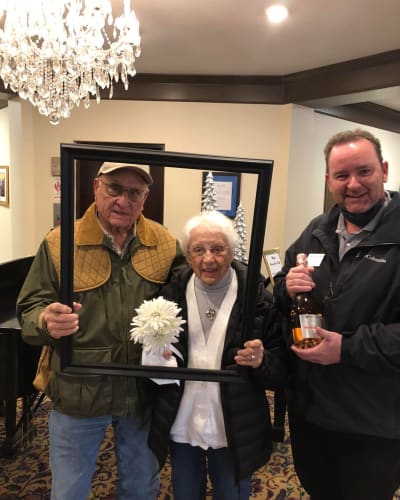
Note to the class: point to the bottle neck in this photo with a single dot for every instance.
(301, 296)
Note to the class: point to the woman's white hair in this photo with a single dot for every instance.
(210, 220)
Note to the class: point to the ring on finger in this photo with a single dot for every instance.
(253, 356)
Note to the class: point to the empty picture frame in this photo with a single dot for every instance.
(69, 154)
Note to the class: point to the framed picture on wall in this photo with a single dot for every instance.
(227, 191)
(4, 186)
(71, 154)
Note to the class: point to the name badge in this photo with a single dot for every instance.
(315, 259)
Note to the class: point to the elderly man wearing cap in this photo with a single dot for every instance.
(120, 259)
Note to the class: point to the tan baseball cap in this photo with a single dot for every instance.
(142, 170)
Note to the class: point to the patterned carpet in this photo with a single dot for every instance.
(27, 476)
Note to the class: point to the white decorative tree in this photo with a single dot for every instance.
(209, 198)
(240, 227)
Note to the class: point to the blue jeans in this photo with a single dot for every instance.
(189, 474)
(74, 445)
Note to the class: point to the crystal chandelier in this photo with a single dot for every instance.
(56, 53)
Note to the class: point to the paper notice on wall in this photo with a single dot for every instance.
(56, 189)
(274, 262)
(223, 191)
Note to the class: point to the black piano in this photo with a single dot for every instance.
(18, 361)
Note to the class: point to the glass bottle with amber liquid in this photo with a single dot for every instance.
(305, 316)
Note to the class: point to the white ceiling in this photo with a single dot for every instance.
(232, 37)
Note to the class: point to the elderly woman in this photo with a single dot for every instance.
(226, 426)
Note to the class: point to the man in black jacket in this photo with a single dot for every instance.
(344, 397)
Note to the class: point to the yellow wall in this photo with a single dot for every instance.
(250, 131)
(292, 136)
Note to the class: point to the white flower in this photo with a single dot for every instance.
(156, 324)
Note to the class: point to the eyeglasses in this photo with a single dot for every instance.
(114, 190)
(200, 251)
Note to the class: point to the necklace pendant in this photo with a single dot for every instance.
(210, 313)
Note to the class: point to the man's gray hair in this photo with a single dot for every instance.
(210, 220)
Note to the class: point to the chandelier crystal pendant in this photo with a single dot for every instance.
(56, 53)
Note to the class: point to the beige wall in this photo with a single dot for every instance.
(292, 136)
(18, 221)
(25, 179)
(250, 131)
(5, 212)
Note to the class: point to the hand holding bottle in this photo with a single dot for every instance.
(327, 352)
(299, 278)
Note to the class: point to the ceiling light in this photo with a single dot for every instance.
(56, 53)
(276, 13)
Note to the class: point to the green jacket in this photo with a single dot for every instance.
(109, 288)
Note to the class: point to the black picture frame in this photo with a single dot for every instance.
(69, 153)
(230, 194)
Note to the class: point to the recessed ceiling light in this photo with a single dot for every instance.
(276, 13)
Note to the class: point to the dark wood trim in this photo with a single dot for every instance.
(378, 71)
(137, 145)
(324, 87)
(202, 88)
(358, 75)
(366, 113)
